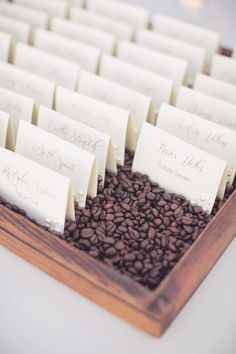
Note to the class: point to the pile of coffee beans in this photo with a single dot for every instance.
(136, 227)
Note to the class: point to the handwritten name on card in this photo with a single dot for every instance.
(6, 131)
(17, 106)
(33, 17)
(61, 71)
(118, 29)
(25, 83)
(162, 64)
(132, 14)
(208, 136)
(223, 68)
(215, 88)
(207, 107)
(81, 135)
(102, 116)
(86, 56)
(180, 167)
(118, 95)
(67, 159)
(201, 37)
(194, 55)
(44, 194)
(86, 35)
(52, 7)
(150, 84)
(19, 30)
(5, 46)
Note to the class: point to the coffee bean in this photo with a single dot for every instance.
(87, 233)
(178, 212)
(109, 217)
(110, 252)
(109, 240)
(186, 221)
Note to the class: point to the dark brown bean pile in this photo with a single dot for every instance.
(136, 227)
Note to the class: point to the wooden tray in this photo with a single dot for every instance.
(151, 311)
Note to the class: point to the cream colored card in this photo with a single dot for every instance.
(60, 71)
(162, 64)
(203, 38)
(52, 7)
(84, 55)
(67, 159)
(6, 131)
(5, 46)
(44, 194)
(19, 30)
(215, 88)
(17, 106)
(118, 95)
(33, 17)
(180, 167)
(118, 29)
(194, 55)
(25, 83)
(132, 14)
(106, 118)
(87, 36)
(223, 68)
(148, 83)
(208, 136)
(208, 107)
(81, 135)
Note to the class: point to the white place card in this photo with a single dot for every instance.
(88, 36)
(52, 7)
(180, 167)
(207, 107)
(17, 106)
(5, 46)
(194, 55)
(19, 30)
(199, 36)
(86, 56)
(67, 159)
(81, 135)
(78, 3)
(208, 136)
(118, 95)
(162, 64)
(216, 88)
(223, 68)
(61, 71)
(150, 84)
(106, 118)
(44, 194)
(6, 131)
(34, 17)
(134, 15)
(25, 83)
(118, 29)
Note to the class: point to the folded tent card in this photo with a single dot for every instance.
(208, 136)
(223, 68)
(91, 36)
(19, 30)
(67, 159)
(118, 95)
(17, 106)
(194, 55)
(52, 7)
(81, 135)
(134, 15)
(5, 46)
(106, 118)
(180, 167)
(49, 66)
(201, 37)
(6, 131)
(43, 194)
(215, 88)
(150, 84)
(208, 107)
(92, 19)
(162, 64)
